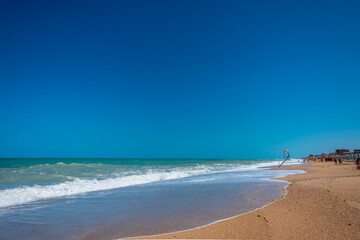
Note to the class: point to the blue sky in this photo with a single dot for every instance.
(203, 79)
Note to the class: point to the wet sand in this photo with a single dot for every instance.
(323, 203)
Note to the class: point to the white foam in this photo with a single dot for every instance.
(20, 195)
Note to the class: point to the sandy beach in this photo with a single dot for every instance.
(323, 203)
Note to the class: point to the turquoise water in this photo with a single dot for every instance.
(102, 198)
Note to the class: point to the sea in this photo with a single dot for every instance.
(96, 198)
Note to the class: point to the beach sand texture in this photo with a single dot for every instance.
(323, 203)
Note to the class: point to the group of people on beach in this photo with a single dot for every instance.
(326, 159)
(332, 158)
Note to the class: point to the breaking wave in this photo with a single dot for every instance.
(26, 194)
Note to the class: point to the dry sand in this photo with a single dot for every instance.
(323, 203)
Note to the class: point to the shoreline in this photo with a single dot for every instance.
(308, 209)
(283, 189)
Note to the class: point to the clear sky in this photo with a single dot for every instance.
(202, 79)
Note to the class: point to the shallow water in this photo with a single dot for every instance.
(104, 199)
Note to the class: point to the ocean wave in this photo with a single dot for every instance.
(21, 195)
(27, 194)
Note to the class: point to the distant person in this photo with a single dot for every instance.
(340, 161)
(357, 162)
(335, 160)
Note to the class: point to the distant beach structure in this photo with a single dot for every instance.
(342, 151)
